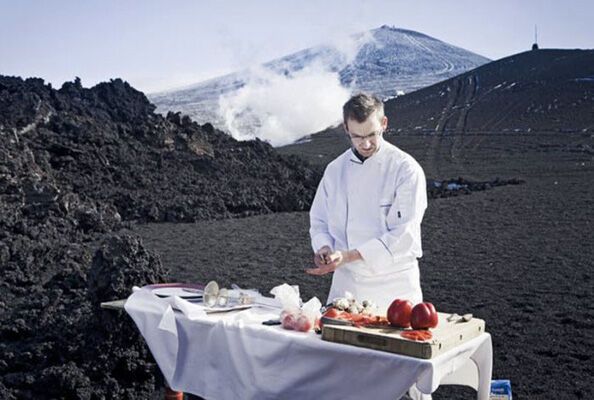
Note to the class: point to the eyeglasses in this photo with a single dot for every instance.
(371, 136)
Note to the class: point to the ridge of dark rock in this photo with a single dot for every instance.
(106, 143)
(75, 165)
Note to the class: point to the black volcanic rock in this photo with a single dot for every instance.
(106, 143)
(55, 342)
(119, 264)
(460, 185)
(74, 164)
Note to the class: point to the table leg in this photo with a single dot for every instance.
(483, 358)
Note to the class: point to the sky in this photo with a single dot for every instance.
(158, 45)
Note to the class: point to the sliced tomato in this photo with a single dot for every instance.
(331, 313)
(418, 335)
(359, 318)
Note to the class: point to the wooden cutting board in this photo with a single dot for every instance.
(446, 336)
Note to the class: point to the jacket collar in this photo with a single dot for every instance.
(357, 158)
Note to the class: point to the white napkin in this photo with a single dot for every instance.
(167, 322)
(191, 311)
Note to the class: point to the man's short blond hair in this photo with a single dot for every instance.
(361, 106)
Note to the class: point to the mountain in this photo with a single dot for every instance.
(541, 90)
(531, 93)
(386, 61)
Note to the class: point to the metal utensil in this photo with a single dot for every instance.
(227, 309)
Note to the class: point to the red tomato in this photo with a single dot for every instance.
(423, 316)
(289, 321)
(303, 324)
(399, 313)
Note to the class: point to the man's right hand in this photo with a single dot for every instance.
(326, 261)
(322, 257)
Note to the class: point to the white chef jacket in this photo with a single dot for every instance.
(376, 207)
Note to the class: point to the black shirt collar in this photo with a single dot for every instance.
(358, 155)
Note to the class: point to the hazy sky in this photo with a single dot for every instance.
(162, 44)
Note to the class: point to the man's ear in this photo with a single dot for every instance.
(384, 122)
(345, 127)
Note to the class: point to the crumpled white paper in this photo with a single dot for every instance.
(287, 296)
(312, 308)
(290, 301)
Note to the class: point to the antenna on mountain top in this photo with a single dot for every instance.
(535, 45)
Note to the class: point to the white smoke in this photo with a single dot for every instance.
(349, 46)
(282, 108)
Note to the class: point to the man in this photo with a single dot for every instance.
(366, 215)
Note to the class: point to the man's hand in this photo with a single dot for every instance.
(322, 257)
(327, 261)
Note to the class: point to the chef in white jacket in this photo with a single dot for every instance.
(366, 215)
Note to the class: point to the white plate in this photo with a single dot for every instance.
(184, 293)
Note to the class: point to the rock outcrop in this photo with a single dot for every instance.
(76, 165)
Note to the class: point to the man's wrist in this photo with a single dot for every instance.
(325, 248)
(352, 255)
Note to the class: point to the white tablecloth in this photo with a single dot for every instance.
(234, 356)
